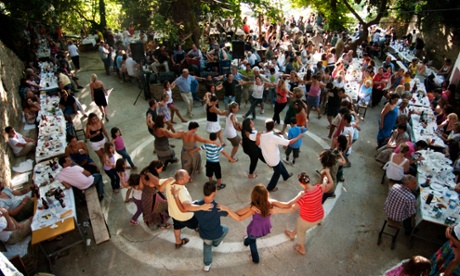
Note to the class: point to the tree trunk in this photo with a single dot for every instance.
(103, 24)
(182, 14)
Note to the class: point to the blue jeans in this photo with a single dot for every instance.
(208, 244)
(278, 170)
(126, 156)
(252, 109)
(114, 178)
(227, 100)
(99, 184)
(251, 241)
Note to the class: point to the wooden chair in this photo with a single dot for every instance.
(396, 226)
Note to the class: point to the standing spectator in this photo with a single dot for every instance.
(20, 144)
(74, 54)
(401, 203)
(109, 166)
(96, 133)
(98, 95)
(269, 142)
(104, 55)
(117, 140)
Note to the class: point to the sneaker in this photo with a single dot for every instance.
(221, 186)
(347, 165)
(262, 111)
(274, 190)
(290, 175)
(207, 268)
(292, 163)
(285, 160)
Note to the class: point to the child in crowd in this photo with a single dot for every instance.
(120, 167)
(134, 181)
(170, 103)
(212, 160)
(261, 208)
(109, 166)
(163, 110)
(294, 131)
(120, 148)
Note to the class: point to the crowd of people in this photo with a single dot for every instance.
(295, 64)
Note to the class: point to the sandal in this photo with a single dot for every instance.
(235, 160)
(133, 222)
(183, 241)
(172, 122)
(252, 175)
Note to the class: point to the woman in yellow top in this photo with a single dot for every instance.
(413, 66)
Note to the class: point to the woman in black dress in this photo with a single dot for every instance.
(250, 147)
(98, 94)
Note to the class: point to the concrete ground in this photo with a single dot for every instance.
(345, 243)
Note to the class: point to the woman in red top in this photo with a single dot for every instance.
(281, 99)
(311, 210)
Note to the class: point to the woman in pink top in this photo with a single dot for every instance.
(281, 99)
(314, 94)
(311, 209)
(117, 140)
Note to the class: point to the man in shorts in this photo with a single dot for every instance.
(182, 214)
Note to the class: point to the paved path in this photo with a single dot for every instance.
(345, 244)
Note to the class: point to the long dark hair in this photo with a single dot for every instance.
(113, 131)
(152, 168)
(246, 126)
(119, 165)
(159, 122)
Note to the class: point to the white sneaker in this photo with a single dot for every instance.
(262, 111)
(286, 161)
(207, 268)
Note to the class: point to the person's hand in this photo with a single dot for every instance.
(175, 191)
(25, 199)
(19, 226)
(4, 212)
(301, 135)
(448, 230)
(222, 208)
(207, 207)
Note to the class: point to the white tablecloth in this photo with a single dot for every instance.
(51, 138)
(428, 129)
(46, 217)
(440, 170)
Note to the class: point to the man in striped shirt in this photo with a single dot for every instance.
(212, 160)
(401, 203)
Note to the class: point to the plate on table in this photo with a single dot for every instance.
(437, 187)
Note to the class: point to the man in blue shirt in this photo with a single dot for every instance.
(211, 231)
(183, 82)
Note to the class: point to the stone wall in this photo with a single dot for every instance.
(11, 71)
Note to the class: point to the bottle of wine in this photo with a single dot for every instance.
(45, 204)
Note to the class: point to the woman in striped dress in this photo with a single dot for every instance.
(311, 209)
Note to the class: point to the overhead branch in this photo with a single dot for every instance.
(350, 8)
(380, 12)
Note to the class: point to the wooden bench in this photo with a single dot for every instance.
(99, 225)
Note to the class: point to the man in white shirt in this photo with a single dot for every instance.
(180, 219)
(131, 66)
(11, 231)
(20, 145)
(269, 142)
(79, 178)
(74, 55)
